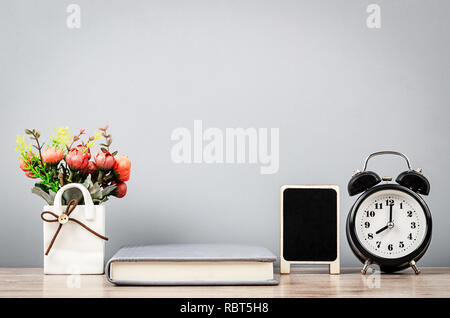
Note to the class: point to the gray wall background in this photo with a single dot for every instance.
(336, 89)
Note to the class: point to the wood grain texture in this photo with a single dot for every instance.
(302, 282)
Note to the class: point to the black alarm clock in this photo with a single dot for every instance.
(389, 224)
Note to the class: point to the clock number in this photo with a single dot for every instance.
(389, 202)
(401, 205)
(413, 225)
(378, 244)
(410, 236)
(370, 213)
(370, 236)
(366, 225)
(390, 247)
(401, 244)
(410, 213)
(378, 206)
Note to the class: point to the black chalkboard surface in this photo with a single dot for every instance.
(310, 224)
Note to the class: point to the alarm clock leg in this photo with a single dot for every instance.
(285, 267)
(334, 268)
(414, 267)
(366, 267)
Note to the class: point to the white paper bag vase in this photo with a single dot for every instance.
(75, 249)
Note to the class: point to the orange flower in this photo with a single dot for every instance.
(52, 155)
(24, 166)
(122, 168)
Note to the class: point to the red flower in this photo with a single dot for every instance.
(52, 155)
(24, 166)
(91, 168)
(121, 190)
(85, 150)
(122, 168)
(104, 160)
(77, 158)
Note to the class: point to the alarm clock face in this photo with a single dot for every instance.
(390, 224)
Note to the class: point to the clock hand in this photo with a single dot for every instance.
(382, 229)
(390, 223)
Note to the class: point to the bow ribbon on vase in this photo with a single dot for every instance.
(63, 219)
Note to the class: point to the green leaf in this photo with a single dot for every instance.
(108, 190)
(97, 195)
(44, 195)
(95, 191)
(96, 187)
(42, 186)
(52, 195)
(88, 182)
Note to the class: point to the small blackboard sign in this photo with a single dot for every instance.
(310, 226)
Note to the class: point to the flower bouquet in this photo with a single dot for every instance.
(74, 186)
(67, 159)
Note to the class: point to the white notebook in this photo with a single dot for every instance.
(192, 264)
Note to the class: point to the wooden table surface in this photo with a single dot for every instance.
(302, 282)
